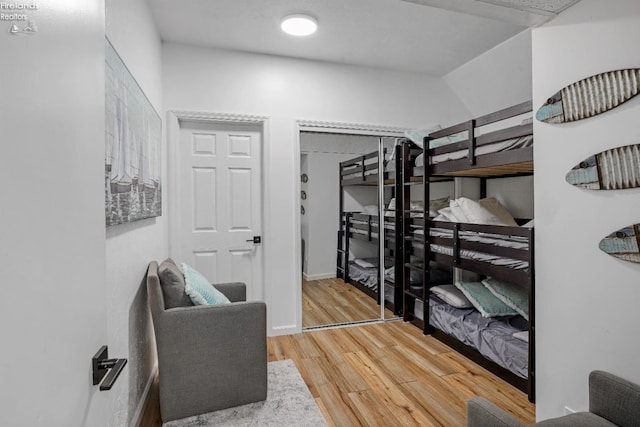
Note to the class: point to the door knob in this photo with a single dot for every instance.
(256, 239)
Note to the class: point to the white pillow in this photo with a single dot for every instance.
(528, 224)
(473, 212)
(524, 335)
(363, 263)
(392, 204)
(458, 211)
(452, 296)
(448, 214)
(494, 206)
(370, 210)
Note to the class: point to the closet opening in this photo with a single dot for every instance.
(344, 252)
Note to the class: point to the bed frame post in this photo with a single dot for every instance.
(347, 236)
(532, 319)
(406, 249)
(426, 244)
(398, 269)
(472, 142)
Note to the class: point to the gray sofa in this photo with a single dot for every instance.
(612, 402)
(210, 357)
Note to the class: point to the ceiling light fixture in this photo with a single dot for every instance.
(299, 25)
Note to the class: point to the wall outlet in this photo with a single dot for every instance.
(568, 410)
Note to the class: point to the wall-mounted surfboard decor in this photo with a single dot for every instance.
(623, 243)
(613, 169)
(591, 96)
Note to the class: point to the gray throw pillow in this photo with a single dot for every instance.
(172, 284)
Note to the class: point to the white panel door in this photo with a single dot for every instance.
(220, 199)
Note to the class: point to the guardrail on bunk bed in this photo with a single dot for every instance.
(504, 162)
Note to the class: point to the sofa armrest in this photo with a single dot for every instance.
(235, 291)
(614, 399)
(201, 350)
(482, 413)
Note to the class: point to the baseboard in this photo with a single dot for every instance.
(136, 420)
(285, 330)
(310, 277)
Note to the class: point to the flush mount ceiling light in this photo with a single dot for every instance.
(299, 25)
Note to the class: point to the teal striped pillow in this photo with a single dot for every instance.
(516, 297)
(199, 289)
(484, 301)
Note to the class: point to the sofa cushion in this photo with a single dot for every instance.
(173, 285)
(199, 289)
(579, 419)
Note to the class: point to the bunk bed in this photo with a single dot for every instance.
(505, 345)
(365, 226)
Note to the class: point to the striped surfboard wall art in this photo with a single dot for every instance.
(613, 169)
(623, 243)
(591, 96)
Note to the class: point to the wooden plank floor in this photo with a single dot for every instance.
(332, 301)
(390, 374)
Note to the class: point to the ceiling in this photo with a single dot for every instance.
(424, 36)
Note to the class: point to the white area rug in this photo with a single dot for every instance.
(289, 403)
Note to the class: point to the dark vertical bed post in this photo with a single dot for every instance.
(341, 264)
(406, 248)
(483, 187)
(398, 268)
(426, 240)
(380, 175)
(532, 318)
(347, 237)
(472, 142)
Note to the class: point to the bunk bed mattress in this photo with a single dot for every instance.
(367, 276)
(509, 144)
(493, 239)
(492, 337)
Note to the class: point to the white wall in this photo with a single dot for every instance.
(516, 194)
(497, 79)
(53, 308)
(322, 212)
(285, 90)
(587, 301)
(130, 247)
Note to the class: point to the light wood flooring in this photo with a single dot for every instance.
(332, 301)
(390, 374)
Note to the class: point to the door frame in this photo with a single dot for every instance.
(174, 117)
(303, 125)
